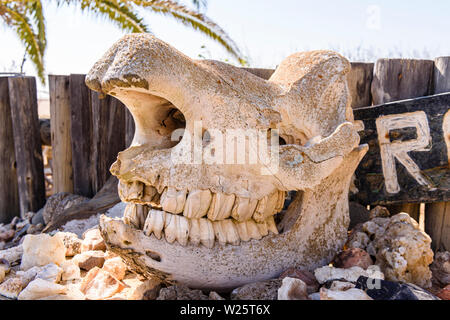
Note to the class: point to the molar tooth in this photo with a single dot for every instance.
(172, 200)
(231, 231)
(221, 206)
(219, 232)
(271, 225)
(149, 193)
(206, 233)
(154, 223)
(263, 229)
(182, 224)
(194, 232)
(253, 230)
(243, 208)
(266, 207)
(135, 215)
(170, 228)
(131, 191)
(197, 204)
(242, 230)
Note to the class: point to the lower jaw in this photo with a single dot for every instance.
(224, 267)
(312, 230)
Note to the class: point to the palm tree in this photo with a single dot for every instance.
(26, 18)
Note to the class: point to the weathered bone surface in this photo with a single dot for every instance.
(219, 226)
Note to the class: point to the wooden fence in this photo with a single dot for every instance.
(88, 130)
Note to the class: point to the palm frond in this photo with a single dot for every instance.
(192, 19)
(116, 11)
(15, 15)
(36, 10)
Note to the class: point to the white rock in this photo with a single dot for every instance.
(12, 255)
(71, 242)
(352, 274)
(341, 286)
(50, 272)
(116, 267)
(358, 240)
(40, 288)
(11, 288)
(71, 271)
(99, 284)
(404, 252)
(42, 249)
(292, 289)
(350, 294)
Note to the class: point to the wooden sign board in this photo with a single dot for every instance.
(409, 151)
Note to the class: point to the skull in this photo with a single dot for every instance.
(215, 224)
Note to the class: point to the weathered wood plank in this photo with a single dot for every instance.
(412, 131)
(437, 215)
(108, 123)
(359, 83)
(441, 75)
(61, 136)
(399, 79)
(9, 193)
(27, 143)
(437, 225)
(81, 131)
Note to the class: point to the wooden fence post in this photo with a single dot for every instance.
(27, 143)
(9, 193)
(399, 79)
(81, 130)
(437, 215)
(108, 136)
(359, 83)
(61, 137)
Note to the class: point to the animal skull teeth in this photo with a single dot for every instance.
(221, 225)
(199, 216)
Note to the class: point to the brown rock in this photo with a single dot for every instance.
(116, 267)
(99, 284)
(353, 257)
(93, 241)
(7, 235)
(444, 294)
(292, 289)
(441, 267)
(147, 290)
(358, 214)
(379, 212)
(306, 276)
(263, 290)
(180, 292)
(89, 259)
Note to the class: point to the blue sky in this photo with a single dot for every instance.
(266, 31)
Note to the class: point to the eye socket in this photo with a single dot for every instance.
(172, 125)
